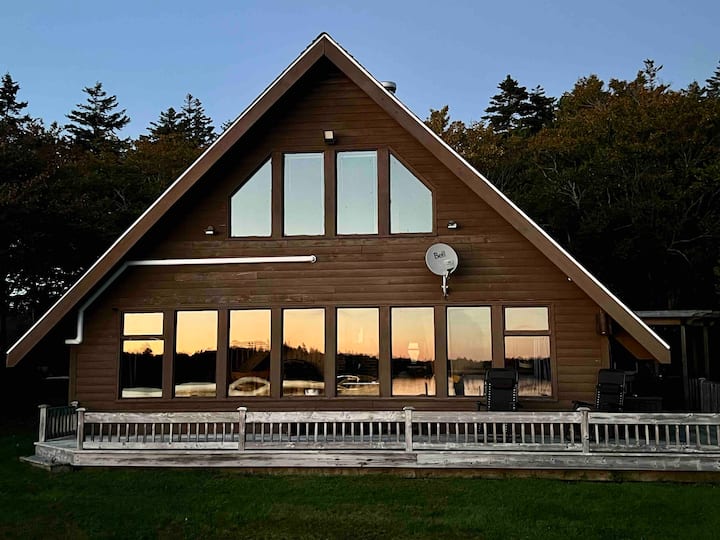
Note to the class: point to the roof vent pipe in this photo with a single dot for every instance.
(390, 86)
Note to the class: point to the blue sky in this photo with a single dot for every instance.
(151, 53)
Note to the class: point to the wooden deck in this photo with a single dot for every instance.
(406, 439)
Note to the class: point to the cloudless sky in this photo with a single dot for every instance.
(151, 53)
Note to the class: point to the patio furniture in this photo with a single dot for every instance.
(501, 390)
(609, 392)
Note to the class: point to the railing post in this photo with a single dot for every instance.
(80, 427)
(71, 419)
(43, 423)
(585, 429)
(408, 428)
(242, 414)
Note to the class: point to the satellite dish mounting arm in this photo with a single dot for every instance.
(445, 287)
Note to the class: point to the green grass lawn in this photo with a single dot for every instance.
(95, 503)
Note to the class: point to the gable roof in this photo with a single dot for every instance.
(325, 46)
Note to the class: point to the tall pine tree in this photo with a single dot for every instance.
(506, 109)
(712, 85)
(539, 112)
(170, 123)
(11, 116)
(196, 124)
(95, 124)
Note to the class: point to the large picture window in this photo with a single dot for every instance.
(303, 195)
(195, 353)
(358, 352)
(413, 351)
(357, 196)
(527, 349)
(410, 201)
(469, 345)
(249, 352)
(251, 205)
(141, 358)
(303, 352)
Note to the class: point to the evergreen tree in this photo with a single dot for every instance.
(540, 111)
(20, 136)
(712, 85)
(649, 74)
(170, 123)
(10, 107)
(226, 124)
(196, 124)
(507, 108)
(438, 120)
(95, 124)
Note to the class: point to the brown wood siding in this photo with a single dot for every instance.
(497, 264)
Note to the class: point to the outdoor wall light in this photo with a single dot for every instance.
(452, 224)
(329, 136)
(210, 231)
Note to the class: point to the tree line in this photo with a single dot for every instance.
(625, 175)
(67, 191)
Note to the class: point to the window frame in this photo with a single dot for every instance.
(435, 363)
(140, 337)
(550, 333)
(440, 321)
(336, 352)
(326, 392)
(433, 196)
(380, 197)
(330, 200)
(492, 336)
(227, 377)
(270, 158)
(281, 205)
(218, 347)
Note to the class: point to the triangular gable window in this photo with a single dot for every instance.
(251, 205)
(410, 201)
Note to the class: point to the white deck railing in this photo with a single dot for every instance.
(57, 422)
(655, 432)
(580, 431)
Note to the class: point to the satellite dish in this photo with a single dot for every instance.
(441, 260)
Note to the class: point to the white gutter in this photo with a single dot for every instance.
(78, 339)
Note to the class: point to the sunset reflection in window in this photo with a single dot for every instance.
(413, 351)
(141, 357)
(303, 352)
(527, 349)
(469, 342)
(195, 353)
(249, 352)
(358, 351)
